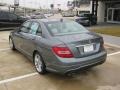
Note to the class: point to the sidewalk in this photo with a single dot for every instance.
(102, 25)
(111, 39)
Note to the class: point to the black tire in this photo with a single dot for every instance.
(11, 44)
(39, 64)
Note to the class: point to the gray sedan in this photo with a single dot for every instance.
(58, 45)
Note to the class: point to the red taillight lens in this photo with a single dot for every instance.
(63, 52)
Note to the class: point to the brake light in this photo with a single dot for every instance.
(63, 52)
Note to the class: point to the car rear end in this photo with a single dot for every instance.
(79, 54)
(76, 49)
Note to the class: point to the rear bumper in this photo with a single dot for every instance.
(85, 66)
(80, 63)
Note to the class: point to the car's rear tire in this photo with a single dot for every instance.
(11, 44)
(39, 63)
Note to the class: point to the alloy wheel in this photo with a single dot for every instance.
(38, 62)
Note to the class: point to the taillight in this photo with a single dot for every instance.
(62, 51)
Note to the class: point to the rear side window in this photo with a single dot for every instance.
(25, 27)
(34, 27)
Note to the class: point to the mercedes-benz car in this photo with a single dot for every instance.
(58, 45)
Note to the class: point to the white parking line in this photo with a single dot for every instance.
(114, 53)
(32, 74)
(113, 45)
(4, 49)
(18, 78)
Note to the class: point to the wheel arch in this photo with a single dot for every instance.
(10, 37)
(44, 66)
(36, 51)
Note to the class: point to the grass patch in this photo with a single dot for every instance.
(114, 31)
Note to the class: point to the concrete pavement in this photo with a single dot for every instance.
(18, 73)
(103, 77)
(14, 65)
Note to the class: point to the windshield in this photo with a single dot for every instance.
(65, 27)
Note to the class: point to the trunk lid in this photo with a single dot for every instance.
(78, 42)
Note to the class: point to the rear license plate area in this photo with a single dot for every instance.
(88, 48)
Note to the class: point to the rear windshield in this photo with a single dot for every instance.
(65, 27)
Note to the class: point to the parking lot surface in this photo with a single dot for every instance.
(18, 73)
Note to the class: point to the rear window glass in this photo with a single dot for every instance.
(65, 27)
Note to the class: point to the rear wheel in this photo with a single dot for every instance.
(39, 64)
(11, 44)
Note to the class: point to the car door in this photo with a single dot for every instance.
(20, 35)
(29, 41)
